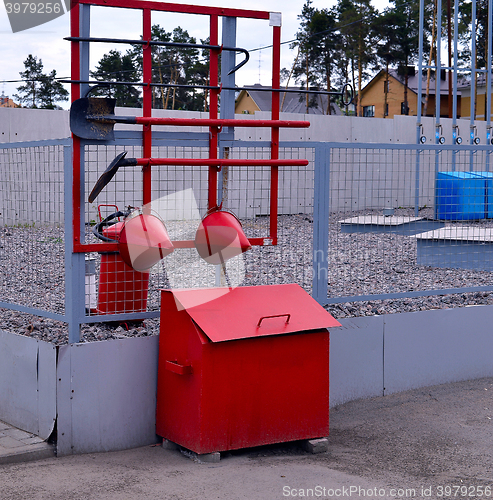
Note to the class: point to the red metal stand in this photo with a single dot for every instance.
(215, 124)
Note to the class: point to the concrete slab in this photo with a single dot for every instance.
(459, 233)
(17, 445)
(456, 247)
(389, 224)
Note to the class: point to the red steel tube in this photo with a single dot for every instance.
(76, 170)
(113, 247)
(147, 105)
(211, 122)
(182, 8)
(221, 162)
(274, 175)
(213, 104)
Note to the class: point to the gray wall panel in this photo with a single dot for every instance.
(64, 402)
(18, 381)
(114, 394)
(356, 359)
(27, 383)
(46, 389)
(434, 347)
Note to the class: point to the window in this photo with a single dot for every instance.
(386, 86)
(368, 110)
(404, 109)
(386, 109)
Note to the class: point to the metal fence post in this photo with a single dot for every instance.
(74, 262)
(321, 198)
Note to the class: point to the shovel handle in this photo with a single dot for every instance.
(288, 317)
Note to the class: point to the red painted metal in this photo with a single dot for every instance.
(182, 8)
(121, 288)
(248, 312)
(226, 383)
(213, 105)
(220, 237)
(143, 241)
(220, 162)
(213, 122)
(147, 106)
(113, 247)
(221, 122)
(75, 89)
(274, 148)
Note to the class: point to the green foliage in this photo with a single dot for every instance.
(319, 48)
(118, 67)
(51, 91)
(39, 90)
(176, 65)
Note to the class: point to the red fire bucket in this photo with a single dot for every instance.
(143, 241)
(220, 237)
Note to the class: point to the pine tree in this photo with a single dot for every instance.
(39, 90)
(32, 76)
(51, 91)
(118, 67)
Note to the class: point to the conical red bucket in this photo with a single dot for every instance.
(143, 241)
(220, 237)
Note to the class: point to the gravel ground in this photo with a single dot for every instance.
(32, 270)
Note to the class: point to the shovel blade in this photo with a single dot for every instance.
(106, 177)
(84, 127)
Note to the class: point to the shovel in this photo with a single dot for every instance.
(109, 173)
(94, 118)
(121, 161)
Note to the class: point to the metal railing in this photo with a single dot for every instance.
(363, 223)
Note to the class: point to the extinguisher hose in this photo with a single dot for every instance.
(108, 221)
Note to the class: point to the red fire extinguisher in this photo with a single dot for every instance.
(124, 278)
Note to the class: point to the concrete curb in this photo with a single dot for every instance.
(28, 453)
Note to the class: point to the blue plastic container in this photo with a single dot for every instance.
(460, 196)
(488, 178)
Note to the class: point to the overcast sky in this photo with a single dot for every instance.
(46, 41)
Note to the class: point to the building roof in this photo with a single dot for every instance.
(413, 81)
(7, 102)
(292, 102)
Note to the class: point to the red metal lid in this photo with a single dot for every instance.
(253, 311)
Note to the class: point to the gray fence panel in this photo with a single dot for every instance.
(27, 383)
(435, 347)
(64, 402)
(112, 396)
(356, 359)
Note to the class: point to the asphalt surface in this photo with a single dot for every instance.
(435, 442)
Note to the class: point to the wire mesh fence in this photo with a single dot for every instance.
(32, 235)
(404, 221)
(409, 228)
(179, 199)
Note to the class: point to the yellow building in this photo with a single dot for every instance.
(385, 99)
(481, 101)
(6, 102)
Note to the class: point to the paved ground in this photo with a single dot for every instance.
(428, 443)
(20, 446)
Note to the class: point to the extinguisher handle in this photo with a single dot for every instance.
(288, 317)
(98, 228)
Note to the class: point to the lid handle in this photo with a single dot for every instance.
(288, 317)
(175, 367)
